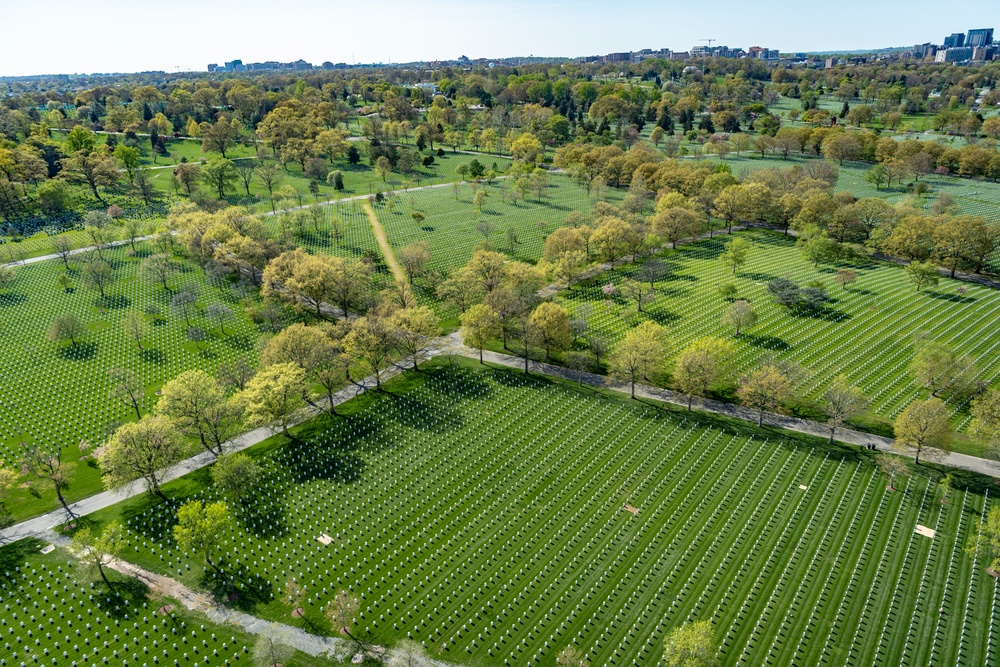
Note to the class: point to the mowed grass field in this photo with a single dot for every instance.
(57, 394)
(865, 333)
(450, 224)
(483, 514)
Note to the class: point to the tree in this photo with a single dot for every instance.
(939, 369)
(383, 167)
(877, 176)
(986, 419)
(135, 327)
(703, 364)
(739, 315)
(572, 656)
(479, 325)
(416, 329)
(140, 450)
(640, 354)
(842, 146)
(408, 653)
(845, 277)
(188, 175)
(269, 176)
(272, 648)
(62, 247)
(676, 223)
(246, 170)
(190, 401)
(764, 388)
(842, 402)
(414, 258)
(8, 481)
(184, 301)
(219, 174)
(97, 274)
(127, 388)
(923, 428)
(219, 137)
(219, 312)
(371, 341)
(237, 475)
(893, 466)
(635, 290)
(551, 321)
(343, 611)
(98, 551)
(735, 253)
(66, 327)
(201, 529)
(40, 464)
(985, 540)
(690, 645)
(159, 268)
(274, 397)
(96, 170)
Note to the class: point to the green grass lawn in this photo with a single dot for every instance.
(57, 395)
(450, 224)
(483, 513)
(866, 333)
(54, 613)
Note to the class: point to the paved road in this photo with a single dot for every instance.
(849, 436)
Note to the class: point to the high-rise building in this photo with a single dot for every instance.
(979, 37)
(954, 40)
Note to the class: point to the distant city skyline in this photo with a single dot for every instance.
(114, 36)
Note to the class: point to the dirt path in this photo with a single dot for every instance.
(383, 243)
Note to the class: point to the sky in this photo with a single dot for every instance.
(45, 36)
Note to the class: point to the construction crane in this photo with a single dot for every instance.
(709, 42)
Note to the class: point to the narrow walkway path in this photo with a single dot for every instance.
(383, 243)
(808, 427)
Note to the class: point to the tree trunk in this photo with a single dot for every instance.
(62, 501)
(100, 569)
(833, 430)
(760, 418)
(480, 355)
(690, 400)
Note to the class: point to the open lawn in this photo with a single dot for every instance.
(57, 394)
(450, 225)
(866, 333)
(483, 513)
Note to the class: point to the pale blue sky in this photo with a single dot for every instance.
(45, 36)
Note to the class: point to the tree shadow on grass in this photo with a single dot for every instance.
(153, 356)
(78, 352)
(766, 342)
(954, 298)
(13, 556)
(237, 588)
(756, 276)
(124, 597)
(264, 518)
(114, 302)
(12, 298)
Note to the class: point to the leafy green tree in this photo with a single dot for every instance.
(220, 175)
(842, 402)
(66, 327)
(201, 529)
(923, 429)
(690, 645)
(479, 326)
(100, 550)
(735, 253)
(140, 450)
(640, 354)
(922, 274)
(238, 476)
(275, 396)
